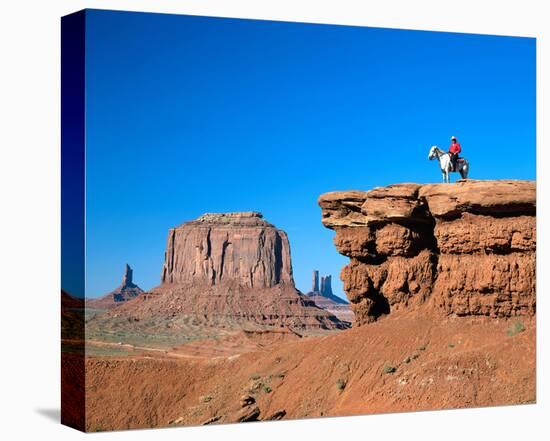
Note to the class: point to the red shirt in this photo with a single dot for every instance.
(455, 148)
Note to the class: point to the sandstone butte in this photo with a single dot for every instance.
(227, 269)
(466, 249)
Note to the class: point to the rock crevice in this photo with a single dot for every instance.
(469, 248)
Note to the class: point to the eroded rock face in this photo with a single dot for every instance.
(468, 247)
(493, 285)
(472, 233)
(239, 247)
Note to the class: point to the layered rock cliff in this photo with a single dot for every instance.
(467, 248)
(240, 247)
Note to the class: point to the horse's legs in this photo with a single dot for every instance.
(445, 163)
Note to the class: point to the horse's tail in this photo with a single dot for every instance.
(465, 170)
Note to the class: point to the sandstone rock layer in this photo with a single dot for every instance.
(468, 248)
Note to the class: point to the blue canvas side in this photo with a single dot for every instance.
(72, 219)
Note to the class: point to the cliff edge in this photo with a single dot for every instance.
(465, 249)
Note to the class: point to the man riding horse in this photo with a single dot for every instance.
(454, 150)
(449, 161)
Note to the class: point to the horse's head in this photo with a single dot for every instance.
(433, 152)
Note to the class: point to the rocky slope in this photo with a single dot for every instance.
(406, 362)
(467, 248)
(226, 270)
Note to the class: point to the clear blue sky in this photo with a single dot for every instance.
(187, 115)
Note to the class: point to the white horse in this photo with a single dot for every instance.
(445, 164)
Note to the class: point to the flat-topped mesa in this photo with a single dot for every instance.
(469, 247)
(251, 218)
(233, 247)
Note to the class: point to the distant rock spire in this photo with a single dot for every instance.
(323, 294)
(128, 289)
(128, 275)
(326, 290)
(315, 281)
